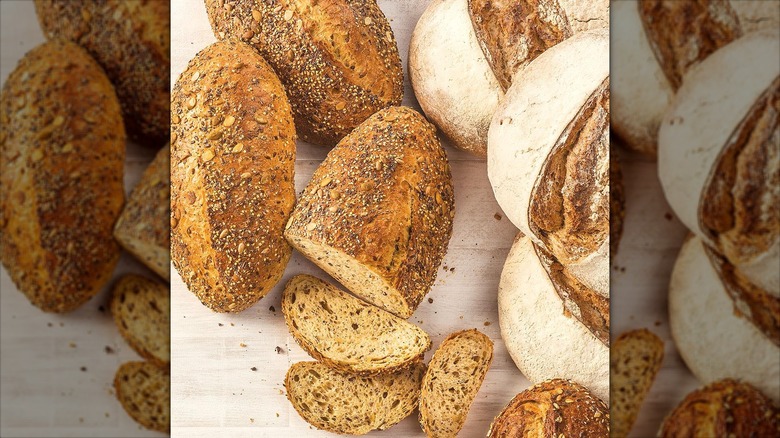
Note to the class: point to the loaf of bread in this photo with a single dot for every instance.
(348, 404)
(144, 227)
(541, 334)
(141, 309)
(718, 159)
(62, 150)
(377, 213)
(338, 59)
(131, 41)
(347, 333)
(454, 376)
(144, 391)
(232, 167)
(617, 200)
(723, 408)
(552, 409)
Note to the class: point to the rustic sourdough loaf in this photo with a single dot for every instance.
(141, 310)
(454, 376)
(377, 213)
(62, 150)
(345, 403)
(131, 41)
(232, 167)
(144, 392)
(347, 333)
(144, 227)
(338, 59)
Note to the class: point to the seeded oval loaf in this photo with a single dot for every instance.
(454, 376)
(144, 227)
(232, 169)
(338, 59)
(141, 310)
(62, 151)
(377, 213)
(552, 409)
(718, 159)
(541, 334)
(714, 337)
(723, 408)
(131, 41)
(144, 391)
(348, 404)
(345, 332)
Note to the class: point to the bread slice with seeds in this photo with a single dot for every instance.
(144, 391)
(345, 332)
(453, 379)
(141, 310)
(346, 403)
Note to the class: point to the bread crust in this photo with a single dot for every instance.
(62, 150)
(232, 162)
(148, 301)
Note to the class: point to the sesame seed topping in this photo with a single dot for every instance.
(288, 15)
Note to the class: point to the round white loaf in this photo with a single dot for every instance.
(543, 342)
(713, 341)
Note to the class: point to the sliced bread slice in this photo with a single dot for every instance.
(346, 403)
(345, 332)
(144, 391)
(453, 379)
(141, 310)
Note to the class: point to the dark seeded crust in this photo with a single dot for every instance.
(144, 227)
(144, 392)
(385, 343)
(131, 40)
(62, 150)
(682, 33)
(553, 409)
(617, 201)
(232, 169)
(337, 59)
(141, 311)
(512, 33)
(723, 408)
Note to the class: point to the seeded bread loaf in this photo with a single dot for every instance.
(232, 168)
(144, 392)
(338, 59)
(345, 403)
(62, 150)
(141, 310)
(131, 41)
(377, 213)
(144, 227)
(454, 376)
(347, 333)
(552, 409)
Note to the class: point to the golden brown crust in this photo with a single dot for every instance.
(552, 409)
(617, 201)
(141, 311)
(232, 169)
(338, 59)
(513, 33)
(723, 408)
(131, 41)
(62, 150)
(144, 392)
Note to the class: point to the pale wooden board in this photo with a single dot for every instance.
(44, 391)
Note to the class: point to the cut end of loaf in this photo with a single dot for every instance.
(144, 392)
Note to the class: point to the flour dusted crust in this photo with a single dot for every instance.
(757, 15)
(586, 15)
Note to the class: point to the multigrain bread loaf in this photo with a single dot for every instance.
(347, 333)
(144, 227)
(345, 403)
(377, 213)
(131, 41)
(552, 409)
(232, 168)
(723, 408)
(62, 150)
(144, 392)
(634, 361)
(454, 376)
(338, 59)
(141, 310)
